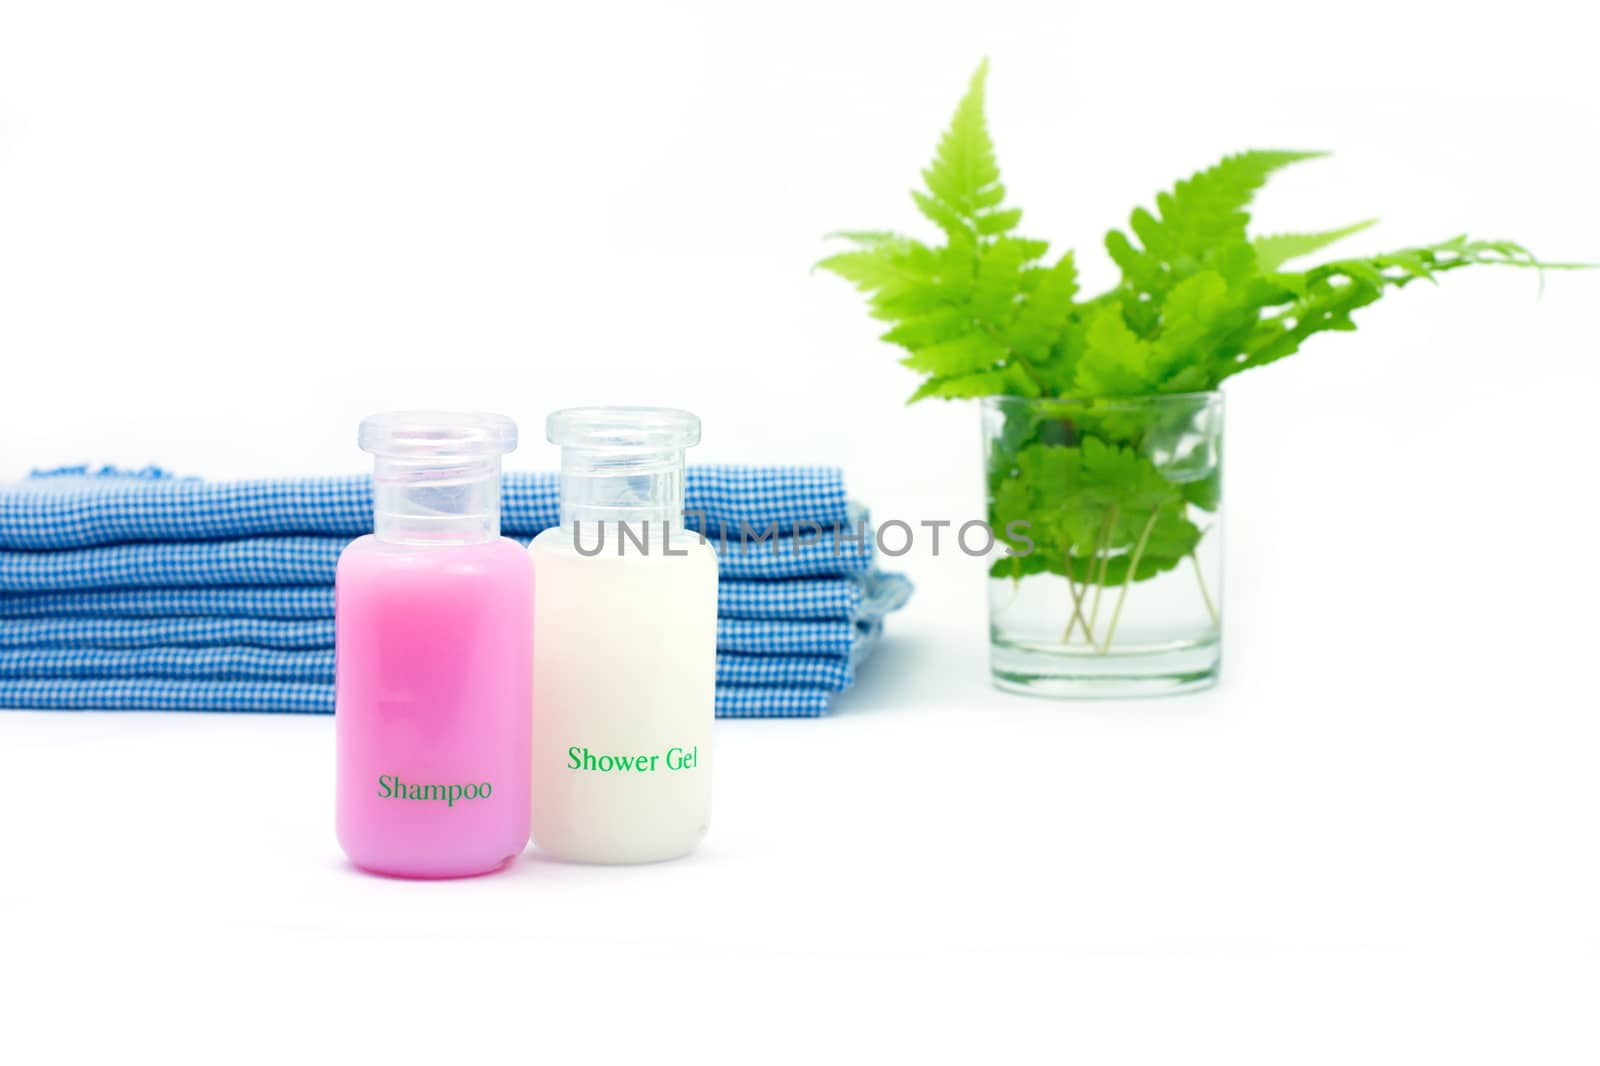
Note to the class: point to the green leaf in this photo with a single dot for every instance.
(1007, 381)
(1120, 475)
(869, 238)
(1017, 567)
(964, 193)
(994, 297)
(947, 218)
(1046, 311)
(884, 262)
(1205, 493)
(999, 221)
(1208, 209)
(1194, 312)
(966, 354)
(935, 327)
(1085, 509)
(1273, 251)
(1140, 272)
(981, 312)
(1326, 296)
(1115, 362)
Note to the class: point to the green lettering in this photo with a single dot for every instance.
(391, 787)
(572, 759)
(625, 762)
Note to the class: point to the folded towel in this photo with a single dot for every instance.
(236, 663)
(312, 560)
(74, 507)
(874, 592)
(143, 591)
(139, 694)
(837, 637)
(299, 635)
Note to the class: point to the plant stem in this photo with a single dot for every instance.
(1021, 360)
(1205, 593)
(1078, 593)
(1133, 565)
(1072, 591)
(1016, 587)
(1103, 551)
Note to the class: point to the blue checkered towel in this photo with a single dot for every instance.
(75, 507)
(144, 694)
(236, 663)
(837, 637)
(800, 599)
(163, 593)
(311, 561)
(797, 600)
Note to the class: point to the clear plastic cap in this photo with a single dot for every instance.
(436, 475)
(622, 464)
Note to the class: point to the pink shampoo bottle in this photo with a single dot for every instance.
(434, 651)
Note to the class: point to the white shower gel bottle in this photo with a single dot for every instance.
(625, 636)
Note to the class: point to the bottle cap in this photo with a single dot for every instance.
(436, 474)
(622, 464)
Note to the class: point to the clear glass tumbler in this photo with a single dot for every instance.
(1107, 578)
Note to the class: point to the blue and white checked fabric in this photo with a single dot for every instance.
(226, 663)
(256, 561)
(828, 673)
(165, 632)
(148, 694)
(156, 593)
(276, 697)
(805, 598)
(734, 702)
(237, 601)
(75, 507)
(799, 599)
(236, 663)
(755, 637)
(778, 601)
(837, 637)
(312, 561)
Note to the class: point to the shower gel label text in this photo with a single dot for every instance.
(580, 758)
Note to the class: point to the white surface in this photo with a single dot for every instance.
(226, 233)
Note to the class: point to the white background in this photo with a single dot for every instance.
(227, 231)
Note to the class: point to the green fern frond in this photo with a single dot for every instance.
(981, 312)
(866, 238)
(1326, 295)
(1048, 309)
(1274, 250)
(1007, 381)
(968, 353)
(999, 285)
(964, 194)
(1207, 209)
(883, 263)
(1423, 263)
